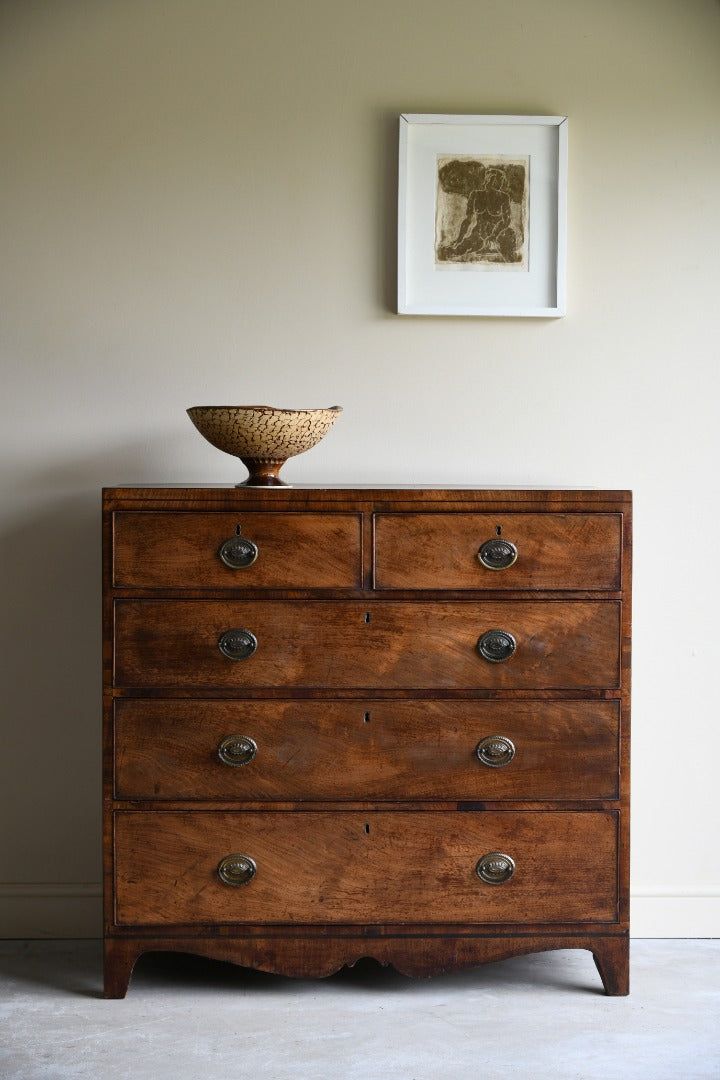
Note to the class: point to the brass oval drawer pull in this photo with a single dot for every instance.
(497, 554)
(237, 644)
(496, 645)
(237, 750)
(236, 870)
(495, 751)
(237, 552)
(495, 868)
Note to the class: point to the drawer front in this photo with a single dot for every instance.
(558, 644)
(296, 751)
(182, 550)
(554, 551)
(379, 867)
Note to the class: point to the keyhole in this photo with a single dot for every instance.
(367, 616)
(238, 530)
(367, 829)
(498, 530)
(366, 718)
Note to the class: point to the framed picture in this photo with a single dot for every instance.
(482, 215)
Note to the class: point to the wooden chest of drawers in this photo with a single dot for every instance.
(357, 722)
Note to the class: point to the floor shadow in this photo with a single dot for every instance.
(558, 969)
(72, 967)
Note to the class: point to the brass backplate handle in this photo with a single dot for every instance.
(496, 645)
(237, 750)
(237, 644)
(497, 554)
(495, 751)
(238, 552)
(236, 869)
(495, 868)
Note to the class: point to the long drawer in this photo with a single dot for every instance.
(272, 550)
(557, 644)
(502, 551)
(322, 750)
(380, 867)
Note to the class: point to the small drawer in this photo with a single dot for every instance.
(374, 867)
(213, 550)
(299, 751)
(500, 644)
(504, 551)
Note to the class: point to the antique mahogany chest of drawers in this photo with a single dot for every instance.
(348, 722)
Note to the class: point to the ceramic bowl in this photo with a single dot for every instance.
(261, 436)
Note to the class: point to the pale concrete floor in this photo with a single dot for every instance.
(532, 1017)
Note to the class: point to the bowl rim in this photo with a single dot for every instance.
(263, 408)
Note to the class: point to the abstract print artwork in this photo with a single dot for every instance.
(481, 213)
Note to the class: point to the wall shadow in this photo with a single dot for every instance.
(387, 216)
(50, 644)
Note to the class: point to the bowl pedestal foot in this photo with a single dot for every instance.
(263, 473)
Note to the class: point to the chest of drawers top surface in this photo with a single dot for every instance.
(339, 496)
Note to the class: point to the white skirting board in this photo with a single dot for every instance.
(658, 915)
(74, 910)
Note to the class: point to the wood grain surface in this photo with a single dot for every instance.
(382, 866)
(366, 750)
(180, 550)
(555, 551)
(560, 644)
(365, 807)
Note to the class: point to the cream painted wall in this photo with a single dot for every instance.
(197, 206)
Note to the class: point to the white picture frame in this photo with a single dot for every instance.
(482, 215)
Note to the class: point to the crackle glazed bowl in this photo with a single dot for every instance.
(261, 436)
